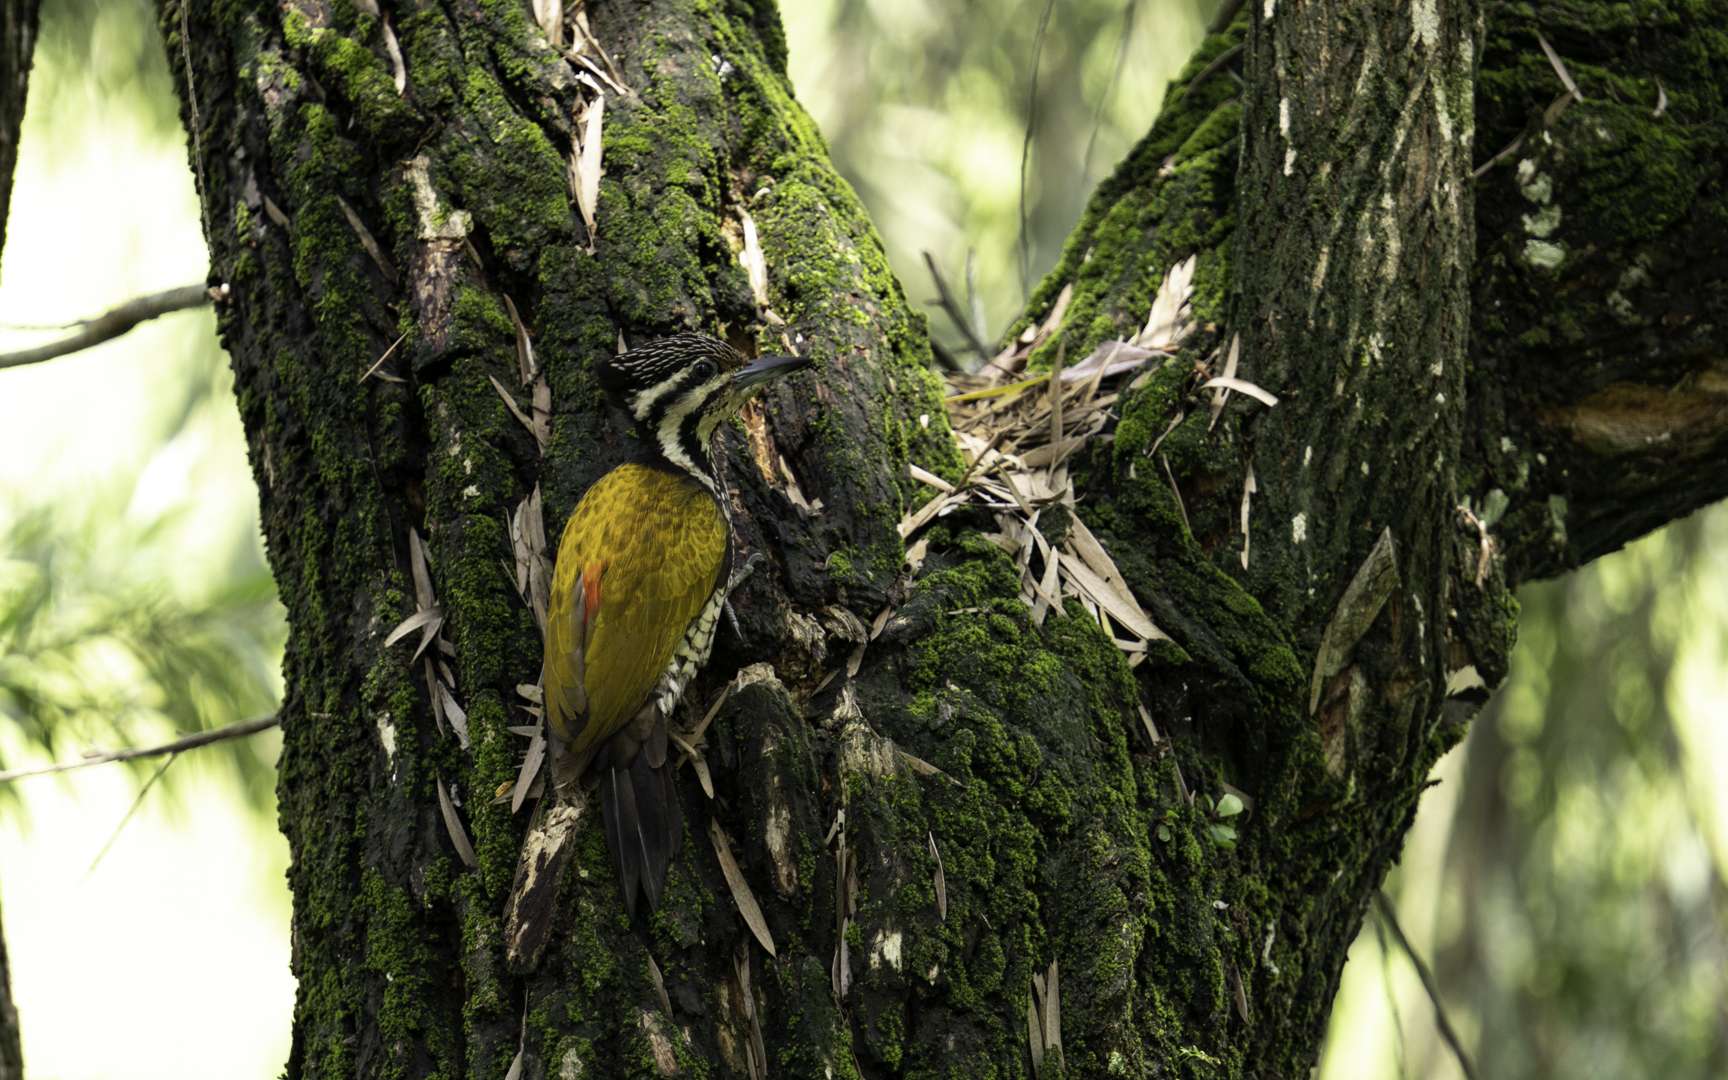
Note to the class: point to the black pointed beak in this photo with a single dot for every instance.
(766, 368)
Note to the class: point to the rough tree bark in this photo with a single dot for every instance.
(1539, 346)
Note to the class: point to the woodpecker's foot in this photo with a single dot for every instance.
(738, 578)
(742, 574)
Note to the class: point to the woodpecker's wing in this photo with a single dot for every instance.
(640, 557)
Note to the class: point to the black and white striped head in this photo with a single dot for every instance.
(678, 390)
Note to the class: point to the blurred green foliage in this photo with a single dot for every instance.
(1575, 875)
(98, 647)
(1581, 927)
(925, 105)
(115, 50)
(131, 608)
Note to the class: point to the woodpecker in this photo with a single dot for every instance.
(642, 575)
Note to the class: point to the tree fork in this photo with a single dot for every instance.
(344, 214)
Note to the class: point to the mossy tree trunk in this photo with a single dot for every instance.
(1430, 350)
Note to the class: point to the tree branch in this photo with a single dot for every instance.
(237, 730)
(112, 324)
(1383, 907)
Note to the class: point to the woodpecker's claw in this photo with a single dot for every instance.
(738, 578)
(742, 574)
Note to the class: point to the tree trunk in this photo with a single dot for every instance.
(17, 50)
(421, 223)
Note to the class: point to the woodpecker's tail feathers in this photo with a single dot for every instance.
(644, 825)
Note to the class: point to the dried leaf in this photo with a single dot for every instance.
(1266, 397)
(741, 894)
(1165, 327)
(1661, 107)
(1249, 487)
(1363, 598)
(515, 1072)
(925, 477)
(525, 361)
(519, 549)
(539, 566)
(659, 987)
(1151, 728)
(412, 623)
(515, 409)
(1559, 67)
(1093, 554)
(696, 760)
(1035, 1027)
(1109, 359)
(1052, 1011)
(367, 242)
(550, 15)
(707, 781)
(453, 712)
(1040, 456)
(751, 258)
(418, 558)
(925, 514)
(713, 710)
(1120, 608)
(587, 165)
(386, 376)
(1046, 589)
(880, 621)
(915, 554)
(1222, 395)
(941, 882)
(1241, 996)
(530, 769)
(437, 698)
(452, 823)
(597, 71)
(399, 71)
(275, 213)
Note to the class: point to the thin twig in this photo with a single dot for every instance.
(1026, 152)
(197, 123)
(1109, 88)
(1509, 148)
(237, 730)
(950, 304)
(1178, 493)
(136, 803)
(1225, 15)
(1383, 905)
(381, 359)
(112, 324)
(1212, 69)
(1391, 993)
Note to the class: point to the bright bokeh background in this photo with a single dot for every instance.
(170, 958)
(1562, 877)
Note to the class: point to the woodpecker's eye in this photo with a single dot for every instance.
(704, 370)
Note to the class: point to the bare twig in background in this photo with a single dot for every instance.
(949, 303)
(136, 803)
(1109, 88)
(237, 730)
(113, 323)
(1026, 151)
(1225, 16)
(1383, 906)
(1212, 69)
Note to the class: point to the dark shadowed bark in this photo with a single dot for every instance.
(1427, 357)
